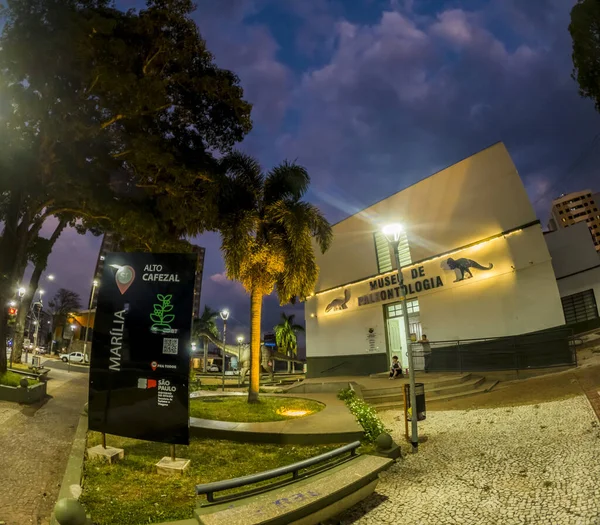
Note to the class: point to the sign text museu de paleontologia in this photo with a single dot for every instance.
(421, 283)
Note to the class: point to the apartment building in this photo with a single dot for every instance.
(579, 206)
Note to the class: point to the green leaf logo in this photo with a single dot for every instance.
(160, 317)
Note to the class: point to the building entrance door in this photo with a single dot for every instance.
(396, 336)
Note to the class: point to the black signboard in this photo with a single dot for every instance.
(140, 363)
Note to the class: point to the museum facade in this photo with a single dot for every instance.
(475, 265)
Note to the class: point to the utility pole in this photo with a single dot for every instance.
(392, 233)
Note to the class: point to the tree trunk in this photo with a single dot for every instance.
(30, 294)
(255, 360)
(205, 339)
(289, 354)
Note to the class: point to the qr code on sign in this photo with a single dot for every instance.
(170, 345)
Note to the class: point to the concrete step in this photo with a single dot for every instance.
(432, 389)
(396, 395)
(437, 384)
(483, 388)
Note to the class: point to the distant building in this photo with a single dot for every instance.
(577, 268)
(109, 244)
(580, 206)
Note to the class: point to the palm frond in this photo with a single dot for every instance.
(288, 181)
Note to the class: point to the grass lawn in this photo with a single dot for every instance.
(13, 379)
(131, 492)
(236, 408)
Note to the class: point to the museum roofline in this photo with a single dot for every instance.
(419, 181)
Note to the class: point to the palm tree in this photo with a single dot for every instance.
(267, 236)
(205, 324)
(286, 338)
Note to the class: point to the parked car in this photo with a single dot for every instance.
(73, 357)
(213, 368)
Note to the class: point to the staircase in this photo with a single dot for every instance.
(441, 389)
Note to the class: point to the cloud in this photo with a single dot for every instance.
(410, 94)
(251, 52)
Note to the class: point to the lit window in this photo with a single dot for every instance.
(564, 220)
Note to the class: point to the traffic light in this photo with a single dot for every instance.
(12, 311)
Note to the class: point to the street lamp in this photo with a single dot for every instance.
(87, 324)
(224, 316)
(392, 233)
(21, 291)
(50, 277)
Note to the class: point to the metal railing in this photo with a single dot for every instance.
(546, 349)
(210, 488)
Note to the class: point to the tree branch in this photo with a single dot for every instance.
(148, 62)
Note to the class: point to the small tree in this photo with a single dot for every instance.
(64, 303)
(585, 32)
(267, 235)
(286, 336)
(205, 326)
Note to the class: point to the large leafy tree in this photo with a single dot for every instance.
(205, 328)
(267, 234)
(111, 117)
(286, 336)
(64, 304)
(585, 32)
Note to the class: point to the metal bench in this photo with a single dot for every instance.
(308, 492)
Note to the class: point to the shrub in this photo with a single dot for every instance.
(365, 414)
(13, 379)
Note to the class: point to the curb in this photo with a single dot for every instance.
(70, 486)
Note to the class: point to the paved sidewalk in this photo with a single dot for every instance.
(524, 465)
(35, 444)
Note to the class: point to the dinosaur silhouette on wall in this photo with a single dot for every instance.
(462, 266)
(340, 303)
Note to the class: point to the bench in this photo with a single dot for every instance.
(39, 373)
(330, 484)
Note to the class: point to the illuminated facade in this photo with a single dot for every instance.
(475, 265)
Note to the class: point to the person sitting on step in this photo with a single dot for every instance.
(395, 369)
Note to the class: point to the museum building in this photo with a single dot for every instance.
(475, 265)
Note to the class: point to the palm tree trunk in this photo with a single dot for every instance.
(289, 354)
(205, 339)
(255, 318)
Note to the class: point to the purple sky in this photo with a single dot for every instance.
(373, 95)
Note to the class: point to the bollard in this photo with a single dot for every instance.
(24, 383)
(69, 511)
(385, 447)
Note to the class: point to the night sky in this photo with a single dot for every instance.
(374, 95)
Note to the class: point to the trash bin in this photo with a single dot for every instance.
(420, 392)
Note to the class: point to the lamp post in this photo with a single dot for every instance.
(224, 315)
(87, 324)
(392, 233)
(240, 340)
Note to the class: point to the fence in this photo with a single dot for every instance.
(549, 348)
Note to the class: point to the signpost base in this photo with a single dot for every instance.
(169, 467)
(110, 454)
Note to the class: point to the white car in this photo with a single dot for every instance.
(213, 368)
(74, 357)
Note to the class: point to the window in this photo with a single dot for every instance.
(384, 254)
(395, 310)
(580, 307)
